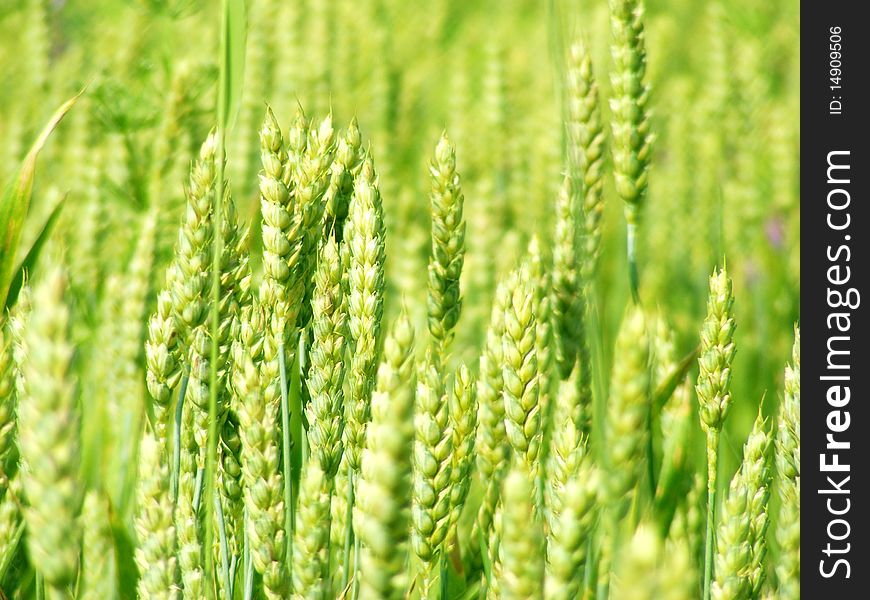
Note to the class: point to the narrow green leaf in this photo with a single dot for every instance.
(12, 548)
(666, 388)
(233, 40)
(484, 556)
(15, 201)
(27, 264)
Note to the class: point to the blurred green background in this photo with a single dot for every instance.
(724, 177)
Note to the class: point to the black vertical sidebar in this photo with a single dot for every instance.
(835, 225)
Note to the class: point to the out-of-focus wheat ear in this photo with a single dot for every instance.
(448, 246)
(155, 550)
(98, 570)
(259, 433)
(521, 550)
(676, 422)
(788, 466)
(12, 353)
(626, 431)
(364, 239)
(678, 571)
(8, 399)
(48, 437)
(651, 570)
(586, 141)
(569, 533)
(380, 516)
(36, 47)
(311, 543)
(568, 302)
(11, 527)
(628, 410)
(542, 284)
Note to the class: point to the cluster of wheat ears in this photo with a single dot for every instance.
(299, 440)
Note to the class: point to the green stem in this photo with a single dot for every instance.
(327, 579)
(176, 441)
(225, 549)
(588, 569)
(631, 251)
(348, 531)
(286, 443)
(356, 551)
(442, 577)
(609, 550)
(599, 397)
(248, 592)
(712, 470)
(298, 439)
(650, 464)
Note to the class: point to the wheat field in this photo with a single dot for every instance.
(379, 299)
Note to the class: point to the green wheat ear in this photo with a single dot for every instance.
(463, 427)
(788, 466)
(448, 245)
(325, 377)
(364, 245)
(311, 541)
(587, 147)
(520, 370)
(628, 410)
(156, 552)
(714, 393)
(630, 124)
(491, 443)
(625, 433)
(570, 531)
(741, 548)
(263, 481)
(632, 141)
(433, 462)
(8, 398)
